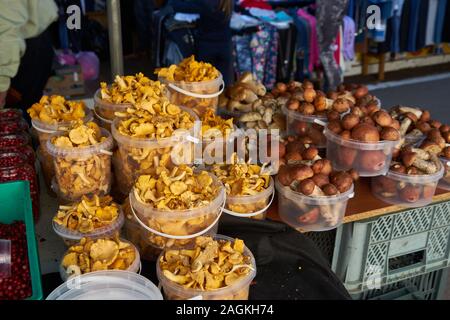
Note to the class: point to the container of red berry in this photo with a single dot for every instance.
(21, 276)
(11, 122)
(14, 167)
(10, 114)
(19, 143)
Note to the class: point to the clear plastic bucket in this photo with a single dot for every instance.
(237, 291)
(134, 267)
(302, 125)
(368, 159)
(406, 190)
(72, 237)
(43, 131)
(251, 206)
(198, 96)
(107, 285)
(104, 111)
(179, 224)
(84, 170)
(306, 213)
(136, 156)
(444, 183)
(151, 245)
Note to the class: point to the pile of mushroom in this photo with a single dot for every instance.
(247, 100)
(414, 122)
(316, 178)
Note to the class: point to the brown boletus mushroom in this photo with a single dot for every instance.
(372, 160)
(360, 92)
(320, 179)
(333, 116)
(293, 104)
(346, 156)
(320, 103)
(335, 126)
(342, 181)
(398, 168)
(330, 190)
(310, 153)
(309, 95)
(423, 126)
(322, 166)
(389, 133)
(341, 105)
(354, 174)
(366, 133)
(368, 120)
(382, 118)
(281, 87)
(293, 156)
(306, 108)
(435, 124)
(431, 147)
(307, 85)
(425, 116)
(446, 152)
(349, 121)
(301, 172)
(284, 175)
(306, 187)
(346, 135)
(410, 194)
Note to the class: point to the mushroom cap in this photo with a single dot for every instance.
(408, 158)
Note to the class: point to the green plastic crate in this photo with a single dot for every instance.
(15, 205)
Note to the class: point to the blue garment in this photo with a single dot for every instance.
(351, 9)
(379, 33)
(302, 46)
(395, 23)
(413, 25)
(439, 26)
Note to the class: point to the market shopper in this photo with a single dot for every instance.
(26, 52)
(214, 33)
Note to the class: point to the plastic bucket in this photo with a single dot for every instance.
(368, 159)
(67, 159)
(306, 213)
(107, 285)
(251, 206)
(198, 96)
(72, 237)
(237, 291)
(406, 190)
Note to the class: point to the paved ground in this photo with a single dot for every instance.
(433, 95)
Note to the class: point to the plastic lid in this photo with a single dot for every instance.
(5, 258)
(107, 285)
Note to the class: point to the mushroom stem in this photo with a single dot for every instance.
(425, 166)
(405, 125)
(421, 154)
(415, 111)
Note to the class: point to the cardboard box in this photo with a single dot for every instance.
(68, 81)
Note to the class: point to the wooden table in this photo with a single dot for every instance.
(364, 205)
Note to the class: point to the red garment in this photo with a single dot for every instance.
(337, 43)
(262, 4)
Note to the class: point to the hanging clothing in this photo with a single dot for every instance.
(349, 39)
(302, 47)
(446, 27)
(378, 34)
(329, 17)
(395, 23)
(431, 22)
(439, 25)
(404, 25)
(413, 25)
(314, 46)
(422, 26)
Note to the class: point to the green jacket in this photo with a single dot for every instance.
(20, 20)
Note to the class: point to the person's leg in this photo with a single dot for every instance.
(34, 70)
(329, 16)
